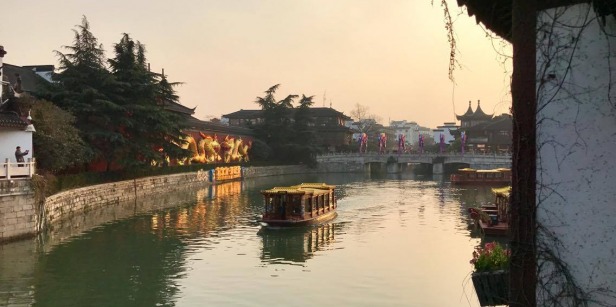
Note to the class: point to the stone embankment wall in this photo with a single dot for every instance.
(20, 216)
(68, 203)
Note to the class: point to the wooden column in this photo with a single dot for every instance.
(523, 272)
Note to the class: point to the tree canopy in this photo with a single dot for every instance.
(288, 130)
(118, 104)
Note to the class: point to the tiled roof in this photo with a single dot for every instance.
(244, 114)
(11, 120)
(199, 125)
(176, 107)
(469, 112)
(315, 112)
(29, 79)
(479, 112)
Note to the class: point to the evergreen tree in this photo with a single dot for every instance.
(276, 129)
(86, 89)
(288, 131)
(305, 135)
(149, 129)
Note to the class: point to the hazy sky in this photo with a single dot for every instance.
(389, 55)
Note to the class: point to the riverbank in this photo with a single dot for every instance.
(24, 215)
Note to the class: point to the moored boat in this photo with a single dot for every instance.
(488, 176)
(493, 219)
(303, 204)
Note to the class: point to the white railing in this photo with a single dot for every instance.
(9, 170)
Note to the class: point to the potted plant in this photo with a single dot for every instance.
(491, 274)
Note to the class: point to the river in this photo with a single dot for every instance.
(397, 241)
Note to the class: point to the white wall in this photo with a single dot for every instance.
(576, 173)
(9, 139)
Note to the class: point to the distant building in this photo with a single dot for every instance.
(448, 130)
(410, 130)
(486, 133)
(15, 129)
(330, 125)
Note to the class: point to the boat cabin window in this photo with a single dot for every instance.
(269, 204)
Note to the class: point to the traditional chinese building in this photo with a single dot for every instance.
(329, 124)
(484, 132)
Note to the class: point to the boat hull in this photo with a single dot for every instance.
(292, 223)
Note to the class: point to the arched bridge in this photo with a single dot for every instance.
(438, 161)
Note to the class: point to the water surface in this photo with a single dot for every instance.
(397, 241)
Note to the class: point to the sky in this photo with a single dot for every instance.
(391, 55)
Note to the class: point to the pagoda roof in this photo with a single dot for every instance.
(477, 115)
(469, 112)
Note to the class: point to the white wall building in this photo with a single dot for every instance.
(447, 130)
(576, 142)
(411, 131)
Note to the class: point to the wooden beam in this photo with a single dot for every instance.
(523, 267)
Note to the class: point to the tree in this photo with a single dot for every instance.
(150, 131)
(85, 88)
(364, 121)
(287, 130)
(276, 127)
(305, 136)
(57, 143)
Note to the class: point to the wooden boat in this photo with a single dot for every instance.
(303, 204)
(493, 219)
(473, 176)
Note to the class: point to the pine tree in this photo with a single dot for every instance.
(150, 130)
(86, 89)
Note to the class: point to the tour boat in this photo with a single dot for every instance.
(473, 176)
(493, 219)
(303, 204)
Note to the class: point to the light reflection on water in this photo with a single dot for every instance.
(397, 241)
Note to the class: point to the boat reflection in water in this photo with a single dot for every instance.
(296, 244)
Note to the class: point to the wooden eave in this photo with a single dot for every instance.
(496, 14)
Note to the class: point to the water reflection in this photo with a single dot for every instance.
(293, 245)
(204, 245)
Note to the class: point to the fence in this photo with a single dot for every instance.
(11, 170)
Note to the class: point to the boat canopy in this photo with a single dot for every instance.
(504, 191)
(301, 189)
(496, 170)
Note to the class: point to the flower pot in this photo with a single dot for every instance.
(492, 287)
